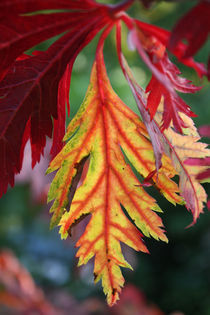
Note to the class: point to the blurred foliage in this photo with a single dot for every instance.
(175, 276)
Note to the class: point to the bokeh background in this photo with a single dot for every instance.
(175, 277)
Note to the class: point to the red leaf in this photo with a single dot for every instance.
(20, 33)
(194, 27)
(165, 80)
(29, 95)
(178, 147)
(63, 100)
(173, 104)
(14, 7)
(163, 37)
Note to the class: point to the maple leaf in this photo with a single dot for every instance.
(178, 147)
(13, 7)
(93, 177)
(181, 148)
(159, 40)
(21, 32)
(173, 104)
(165, 80)
(62, 101)
(203, 176)
(102, 130)
(194, 27)
(201, 166)
(30, 86)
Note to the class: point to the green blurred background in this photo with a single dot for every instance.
(175, 276)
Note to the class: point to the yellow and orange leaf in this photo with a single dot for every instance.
(102, 129)
(179, 148)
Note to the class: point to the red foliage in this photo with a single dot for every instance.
(163, 37)
(194, 27)
(165, 80)
(173, 104)
(34, 90)
(31, 86)
(34, 93)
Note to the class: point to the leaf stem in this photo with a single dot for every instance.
(103, 36)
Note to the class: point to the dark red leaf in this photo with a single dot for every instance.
(14, 7)
(20, 33)
(63, 100)
(194, 27)
(28, 97)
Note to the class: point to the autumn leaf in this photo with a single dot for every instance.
(62, 102)
(103, 129)
(178, 147)
(165, 79)
(201, 166)
(194, 27)
(159, 41)
(27, 6)
(181, 149)
(20, 32)
(173, 103)
(203, 176)
(110, 154)
(31, 86)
